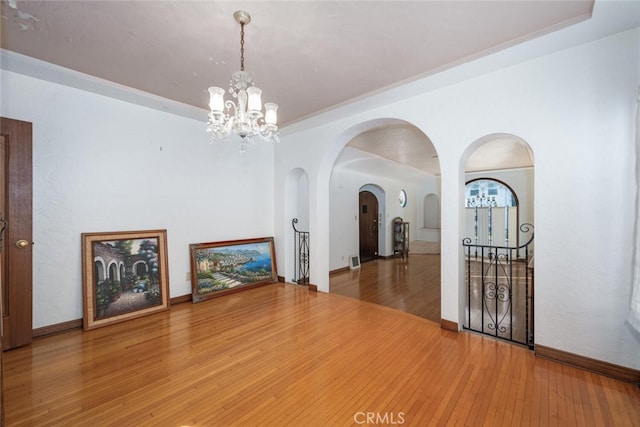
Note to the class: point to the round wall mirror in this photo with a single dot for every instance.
(402, 198)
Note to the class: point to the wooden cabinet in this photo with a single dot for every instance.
(400, 237)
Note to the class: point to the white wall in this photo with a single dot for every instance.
(575, 109)
(296, 205)
(431, 185)
(104, 165)
(347, 179)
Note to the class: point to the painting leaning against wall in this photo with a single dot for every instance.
(218, 268)
(124, 276)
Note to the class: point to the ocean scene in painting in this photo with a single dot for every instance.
(226, 267)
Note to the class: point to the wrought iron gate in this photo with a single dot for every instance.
(499, 289)
(301, 255)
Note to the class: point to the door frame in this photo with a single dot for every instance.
(17, 281)
(368, 233)
(383, 227)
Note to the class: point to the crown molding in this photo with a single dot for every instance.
(32, 67)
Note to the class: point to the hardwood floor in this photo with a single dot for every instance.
(411, 285)
(281, 355)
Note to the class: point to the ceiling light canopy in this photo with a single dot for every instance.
(243, 117)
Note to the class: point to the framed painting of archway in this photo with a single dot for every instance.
(124, 276)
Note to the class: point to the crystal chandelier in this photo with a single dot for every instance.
(245, 116)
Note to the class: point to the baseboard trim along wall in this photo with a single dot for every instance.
(180, 299)
(58, 328)
(338, 270)
(449, 325)
(593, 365)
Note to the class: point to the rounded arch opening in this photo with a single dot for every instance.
(100, 269)
(496, 199)
(491, 212)
(113, 273)
(394, 157)
(372, 227)
(508, 160)
(297, 208)
(431, 212)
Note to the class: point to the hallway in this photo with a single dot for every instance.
(411, 285)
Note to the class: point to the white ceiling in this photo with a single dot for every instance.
(406, 144)
(307, 56)
(399, 142)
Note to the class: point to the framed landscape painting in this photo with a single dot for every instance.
(124, 276)
(219, 268)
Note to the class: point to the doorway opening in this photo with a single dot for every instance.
(396, 158)
(498, 245)
(297, 259)
(368, 225)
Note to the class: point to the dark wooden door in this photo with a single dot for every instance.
(16, 256)
(2, 226)
(368, 226)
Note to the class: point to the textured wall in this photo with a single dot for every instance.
(575, 109)
(104, 165)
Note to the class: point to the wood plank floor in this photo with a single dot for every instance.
(282, 355)
(411, 285)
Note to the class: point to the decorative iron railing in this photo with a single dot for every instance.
(499, 292)
(301, 255)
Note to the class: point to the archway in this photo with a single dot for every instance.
(372, 227)
(431, 212)
(99, 270)
(297, 253)
(385, 157)
(113, 272)
(497, 289)
(140, 269)
(491, 212)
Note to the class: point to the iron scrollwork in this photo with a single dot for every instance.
(500, 292)
(500, 289)
(301, 254)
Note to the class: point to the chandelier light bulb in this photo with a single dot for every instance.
(255, 103)
(216, 99)
(271, 113)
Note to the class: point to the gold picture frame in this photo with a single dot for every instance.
(220, 268)
(124, 276)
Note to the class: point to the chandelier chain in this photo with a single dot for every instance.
(244, 116)
(242, 47)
